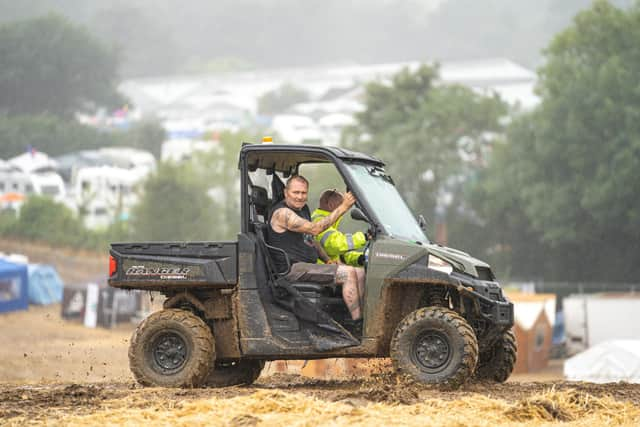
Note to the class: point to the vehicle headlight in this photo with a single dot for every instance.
(439, 264)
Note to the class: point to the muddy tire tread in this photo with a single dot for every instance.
(470, 353)
(499, 363)
(203, 342)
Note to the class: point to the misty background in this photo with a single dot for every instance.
(155, 38)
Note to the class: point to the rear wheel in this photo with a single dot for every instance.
(498, 363)
(230, 373)
(171, 348)
(435, 345)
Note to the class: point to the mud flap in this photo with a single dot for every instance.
(324, 333)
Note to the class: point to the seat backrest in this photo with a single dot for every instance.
(259, 203)
(277, 189)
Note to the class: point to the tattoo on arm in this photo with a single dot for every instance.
(326, 222)
(293, 222)
(288, 219)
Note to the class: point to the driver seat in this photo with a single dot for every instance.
(319, 294)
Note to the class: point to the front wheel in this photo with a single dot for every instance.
(171, 348)
(435, 345)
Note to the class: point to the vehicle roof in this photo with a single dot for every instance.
(284, 158)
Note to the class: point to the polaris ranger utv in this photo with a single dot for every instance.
(437, 312)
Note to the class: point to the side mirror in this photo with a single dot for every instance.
(422, 222)
(358, 215)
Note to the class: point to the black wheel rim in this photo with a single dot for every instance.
(169, 352)
(431, 351)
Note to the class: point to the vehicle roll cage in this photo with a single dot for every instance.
(287, 159)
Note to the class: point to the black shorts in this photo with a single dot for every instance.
(323, 274)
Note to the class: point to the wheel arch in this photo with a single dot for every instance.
(401, 297)
(218, 312)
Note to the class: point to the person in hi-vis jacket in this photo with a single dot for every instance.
(346, 247)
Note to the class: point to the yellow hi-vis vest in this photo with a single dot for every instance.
(338, 245)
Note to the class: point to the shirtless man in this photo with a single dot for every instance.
(291, 229)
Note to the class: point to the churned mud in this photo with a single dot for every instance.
(283, 399)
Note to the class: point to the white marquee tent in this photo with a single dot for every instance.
(609, 361)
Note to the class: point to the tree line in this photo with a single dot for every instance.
(557, 198)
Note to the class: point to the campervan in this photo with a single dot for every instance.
(43, 183)
(106, 191)
(33, 161)
(48, 184)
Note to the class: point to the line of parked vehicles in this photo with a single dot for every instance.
(101, 184)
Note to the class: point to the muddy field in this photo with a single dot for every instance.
(294, 400)
(55, 372)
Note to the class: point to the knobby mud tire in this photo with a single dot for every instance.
(243, 372)
(187, 335)
(461, 348)
(497, 364)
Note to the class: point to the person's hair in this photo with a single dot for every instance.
(329, 199)
(296, 178)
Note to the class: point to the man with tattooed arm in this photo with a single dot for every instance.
(291, 229)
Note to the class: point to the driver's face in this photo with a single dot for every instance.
(296, 195)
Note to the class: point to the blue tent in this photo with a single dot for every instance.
(45, 286)
(13, 286)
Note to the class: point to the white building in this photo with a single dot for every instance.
(595, 318)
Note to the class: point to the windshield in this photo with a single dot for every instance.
(387, 204)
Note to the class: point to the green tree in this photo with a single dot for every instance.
(42, 219)
(57, 136)
(219, 169)
(278, 100)
(50, 134)
(569, 170)
(433, 136)
(48, 65)
(174, 206)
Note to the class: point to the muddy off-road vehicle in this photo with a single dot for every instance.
(437, 312)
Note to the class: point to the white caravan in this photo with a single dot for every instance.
(103, 192)
(130, 158)
(39, 180)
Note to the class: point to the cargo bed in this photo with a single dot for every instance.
(162, 266)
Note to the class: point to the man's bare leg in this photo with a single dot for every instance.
(348, 278)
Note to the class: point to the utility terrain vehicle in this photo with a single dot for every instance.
(437, 312)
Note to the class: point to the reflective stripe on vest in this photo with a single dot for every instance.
(350, 244)
(325, 236)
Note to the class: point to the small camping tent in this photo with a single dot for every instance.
(13, 286)
(45, 286)
(610, 361)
